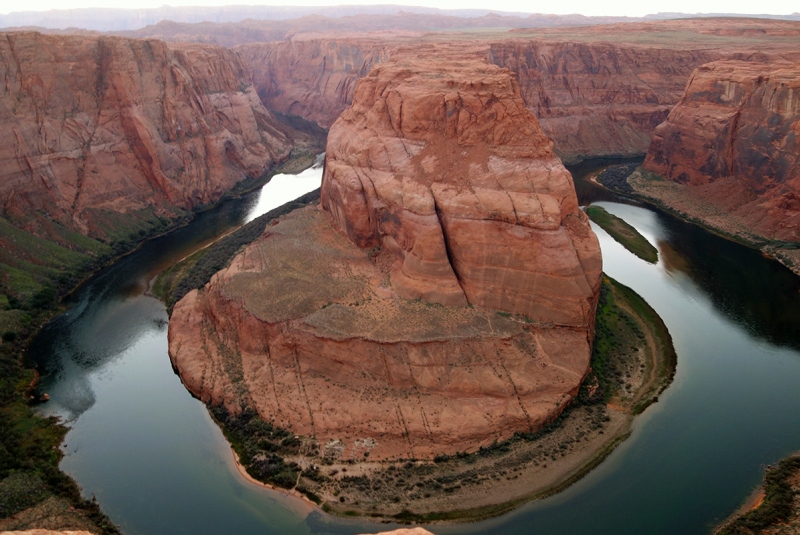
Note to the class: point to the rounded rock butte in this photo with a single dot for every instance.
(444, 297)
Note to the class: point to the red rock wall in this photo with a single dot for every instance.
(592, 99)
(98, 126)
(733, 138)
(417, 399)
(598, 99)
(301, 326)
(312, 79)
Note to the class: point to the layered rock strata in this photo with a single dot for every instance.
(98, 129)
(598, 99)
(442, 191)
(313, 79)
(592, 99)
(732, 141)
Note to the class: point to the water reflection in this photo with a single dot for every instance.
(762, 296)
(107, 316)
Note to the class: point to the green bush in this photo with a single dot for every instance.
(778, 504)
(19, 491)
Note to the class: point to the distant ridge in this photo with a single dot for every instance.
(111, 19)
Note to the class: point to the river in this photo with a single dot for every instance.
(157, 463)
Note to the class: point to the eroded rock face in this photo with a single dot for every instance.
(98, 129)
(591, 99)
(350, 325)
(733, 141)
(441, 164)
(314, 79)
(598, 99)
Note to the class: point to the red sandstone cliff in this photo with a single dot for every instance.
(314, 79)
(592, 99)
(97, 130)
(443, 191)
(598, 99)
(733, 140)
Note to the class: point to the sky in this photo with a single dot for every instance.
(633, 8)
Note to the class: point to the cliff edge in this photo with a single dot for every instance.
(100, 132)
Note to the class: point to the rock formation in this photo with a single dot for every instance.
(597, 91)
(102, 130)
(598, 99)
(442, 191)
(314, 79)
(733, 141)
(442, 166)
(591, 99)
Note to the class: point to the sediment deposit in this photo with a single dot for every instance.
(351, 326)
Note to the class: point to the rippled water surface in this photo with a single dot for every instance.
(157, 463)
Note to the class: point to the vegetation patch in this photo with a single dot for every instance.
(780, 506)
(623, 233)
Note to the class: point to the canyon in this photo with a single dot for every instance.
(597, 91)
(107, 140)
(395, 323)
(591, 99)
(391, 323)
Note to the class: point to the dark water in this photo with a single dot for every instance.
(158, 464)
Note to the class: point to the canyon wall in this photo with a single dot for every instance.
(598, 99)
(441, 300)
(592, 99)
(732, 140)
(99, 131)
(314, 79)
